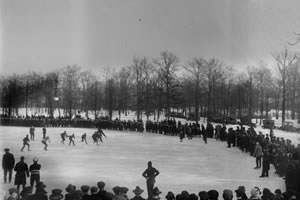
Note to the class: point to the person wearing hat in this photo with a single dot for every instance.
(35, 172)
(8, 163)
(26, 143)
(56, 194)
(227, 195)
(150, 174)
(13, 194)
(213, 194)
(156, 192)
(203, 195)
(102, 192)
(94, 195)
(241, 193)
(70, 189)
(255, 194)
(137, 191)
(22, 171)
(258, 152)
(85, 189)
(26, 193)
(40, 192)
(170, 196)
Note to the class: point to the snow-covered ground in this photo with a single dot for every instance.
(189, 165)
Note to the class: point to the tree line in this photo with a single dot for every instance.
(200, 87)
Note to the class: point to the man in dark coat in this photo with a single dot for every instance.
(265, 165)
(8, 163)
(31, 131)
(35, 172)
(22, 171)
(44, 132)
(150, 173)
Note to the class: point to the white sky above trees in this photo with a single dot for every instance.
(43, 35)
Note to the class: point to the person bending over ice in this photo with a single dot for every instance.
(44, 141)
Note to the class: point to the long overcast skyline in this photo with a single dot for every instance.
(43, 35)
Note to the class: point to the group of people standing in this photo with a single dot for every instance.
(21, 168)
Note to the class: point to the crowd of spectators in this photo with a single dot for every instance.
(98, 192)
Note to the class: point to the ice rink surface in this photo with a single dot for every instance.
(121, 159)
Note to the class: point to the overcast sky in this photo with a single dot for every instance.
(41, 35)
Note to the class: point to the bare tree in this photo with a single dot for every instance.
(285, 60)
(196, 70)
(167, 65)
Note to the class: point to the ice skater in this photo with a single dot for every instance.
(31, 132)
(44, 132)
(26, 143)
(44, 141)
(71, 139)
(63, 137)
(150, 173)
(95, 138)
(83, 138)
(100, 134)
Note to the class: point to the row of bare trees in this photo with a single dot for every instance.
(203, 87)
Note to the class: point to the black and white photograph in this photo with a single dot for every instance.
(150, 99)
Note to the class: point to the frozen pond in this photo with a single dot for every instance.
(189, 165)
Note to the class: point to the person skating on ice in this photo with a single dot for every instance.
(26, 143)
(44, 141)
(83, 138)
(71, 139)
(31, 132)
(63, 137)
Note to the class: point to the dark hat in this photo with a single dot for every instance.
(124, 190)
(70, 188)
(94, 189)
(193, 196)
(56, 194)
(6, 149)
(213, 194)
(26, 190)
(40, 185)
(278, 191)
(116, 189)
(240, 190)
(170, 195)
(137, 190)
(156, 191)
(13, 190)
(85, 188)
(101, 185)
(203, 195)
(227, 194)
